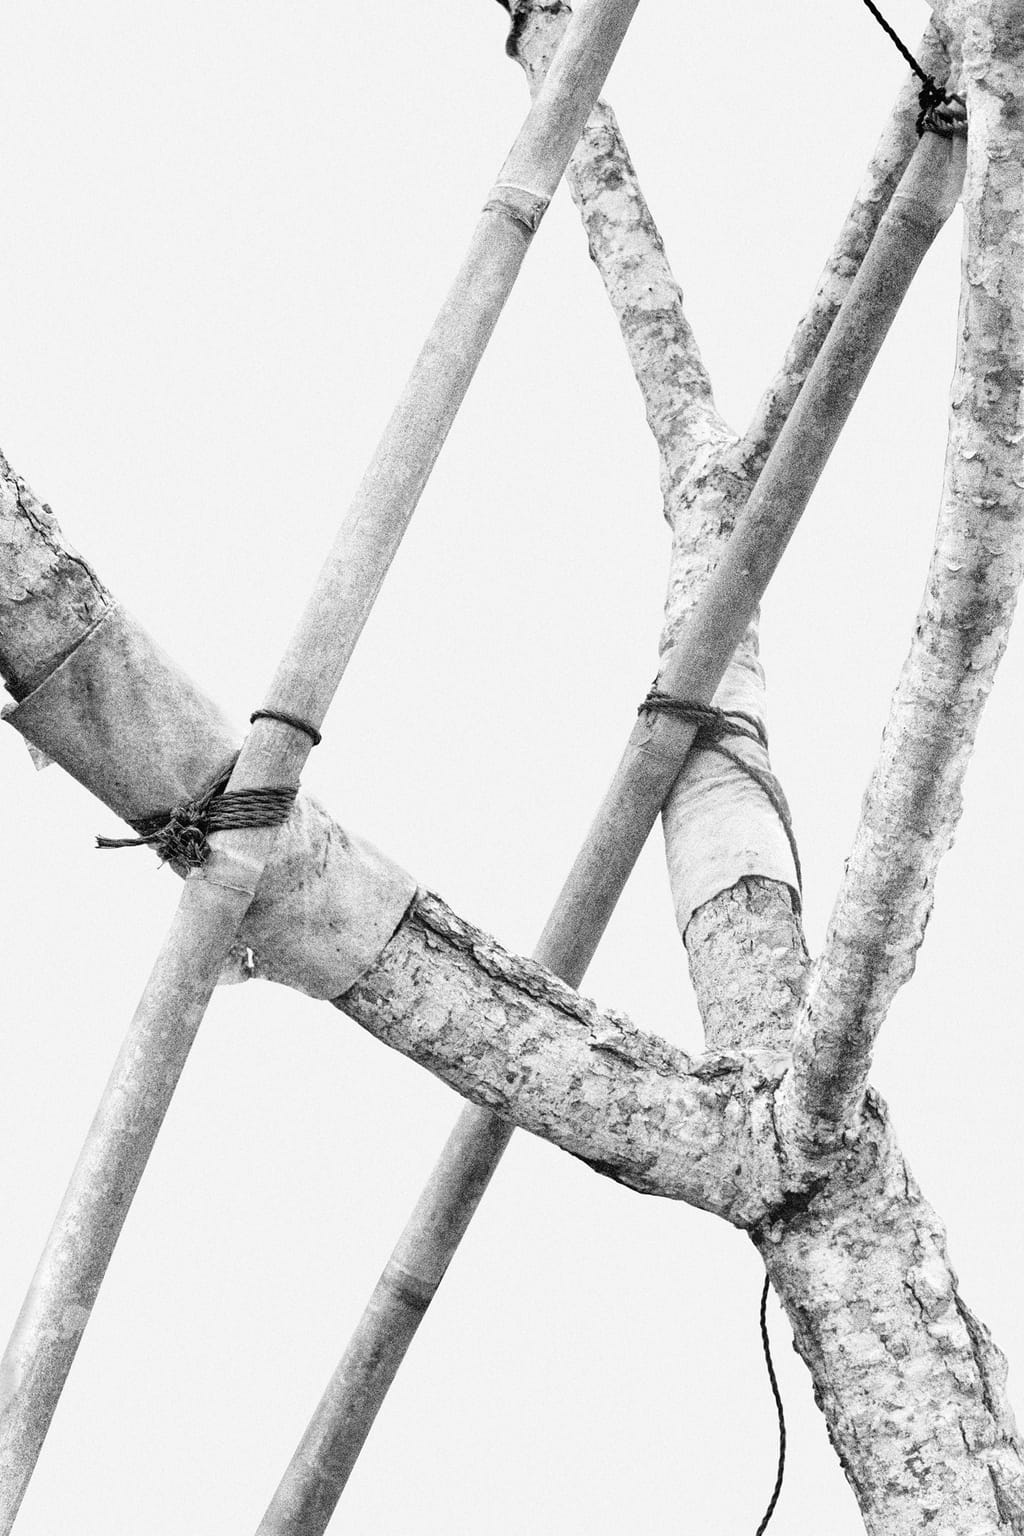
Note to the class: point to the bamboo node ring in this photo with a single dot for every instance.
(523, 206)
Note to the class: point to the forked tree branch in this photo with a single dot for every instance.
(866, 1211)
(914, 799)
(331, 1443)
(719, 828)
(499, 1029)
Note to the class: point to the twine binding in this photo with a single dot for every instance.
(942, 112)
(292, 720)
(712, 724)
(180, 836)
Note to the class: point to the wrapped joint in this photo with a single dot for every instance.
(712, 723)
(942, 112)
(523, 207)
(327, 903)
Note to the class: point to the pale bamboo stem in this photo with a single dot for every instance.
(692, 668)
(655, 752)
(318, 1471)
(214, 901)
(885, 169)
(914, 798)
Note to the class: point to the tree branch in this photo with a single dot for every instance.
(718, 827)
(914, 799)
(331, 1443)
(630, 255)
(512, 1038)
(438, 989)
(910, 1383)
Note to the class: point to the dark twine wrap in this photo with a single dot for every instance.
(180, 836)
(942, 112)
(712, 724)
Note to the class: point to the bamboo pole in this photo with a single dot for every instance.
(654, 754)
(215, 899)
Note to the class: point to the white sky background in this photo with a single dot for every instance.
(226, 231)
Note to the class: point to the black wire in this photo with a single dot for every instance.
(778, 1408)
(942, 112)
(915, 66)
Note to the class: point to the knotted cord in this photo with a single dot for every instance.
(942, 112)
(180, 836)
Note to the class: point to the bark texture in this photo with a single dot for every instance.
(46, 589)
(514, 1039)
(908, 1380)
(738, 835)
(501, 1030)
(914, 799)
(910, 1385)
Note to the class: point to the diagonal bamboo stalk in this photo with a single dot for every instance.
(914, 798)
(654, 754)
(214, 900)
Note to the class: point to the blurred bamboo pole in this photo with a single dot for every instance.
(214, 900)
(655, 752)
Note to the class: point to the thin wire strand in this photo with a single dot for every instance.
(921, 74)
(778, 1408)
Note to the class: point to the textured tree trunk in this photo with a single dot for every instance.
(775, 1128)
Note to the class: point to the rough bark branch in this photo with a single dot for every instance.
(911, 1386)
(630, 256)
(512, 1038)
(718, 827)
(914, 798)
(497, 1004)
(909, 1381)
(625, 245)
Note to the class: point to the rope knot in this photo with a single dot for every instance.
(181, 835)
(942, 112)
(183, 839)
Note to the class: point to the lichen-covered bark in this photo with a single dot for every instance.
(914, 799)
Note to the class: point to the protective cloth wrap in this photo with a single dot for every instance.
(719, 826)
(120, 717)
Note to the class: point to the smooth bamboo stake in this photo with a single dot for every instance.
(654, 754)
(215, 900)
